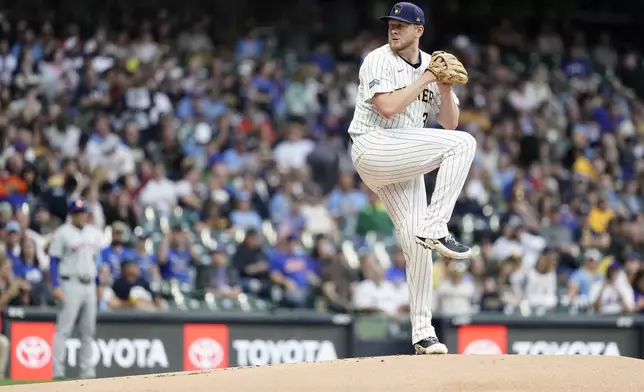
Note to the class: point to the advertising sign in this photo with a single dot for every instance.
(205, 346)
(482, 339)
(547, 340)
(120, 349)
(252, 345)
(574, 341)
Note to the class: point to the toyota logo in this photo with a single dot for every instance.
(33, 352)
(483, 347)
(206, 353)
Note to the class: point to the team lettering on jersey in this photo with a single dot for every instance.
(426, 96)
(385, 71)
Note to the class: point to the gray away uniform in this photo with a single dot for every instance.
(77, 250)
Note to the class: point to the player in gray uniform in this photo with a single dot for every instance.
(73, 252)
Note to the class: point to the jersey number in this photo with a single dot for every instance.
(425, 118)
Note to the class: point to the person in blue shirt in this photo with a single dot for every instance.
(249, 46)
(280, 203)
(584, 277)
(293, 222)
(33, 275)
(322, 56)
(237, 158)
(396, 273)
(12, 237)
(243, 217)
(176, 256)
(345, 202)
(297, 273)
(145, 259)
(112, 256)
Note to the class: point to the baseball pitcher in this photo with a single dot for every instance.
(400, 86)
(73, 251)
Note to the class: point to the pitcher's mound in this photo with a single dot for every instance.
(391, 374)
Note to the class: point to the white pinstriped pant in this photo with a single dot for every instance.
(392, 162)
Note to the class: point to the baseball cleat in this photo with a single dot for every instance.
(446, 246)
(430, 346)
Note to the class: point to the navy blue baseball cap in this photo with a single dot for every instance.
(77, 205)
(406, 12)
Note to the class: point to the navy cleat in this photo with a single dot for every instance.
(430, 346)
(446, 246)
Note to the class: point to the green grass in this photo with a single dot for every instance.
(17, 382)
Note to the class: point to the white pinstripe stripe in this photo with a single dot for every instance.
(392, 156)
(393, 165)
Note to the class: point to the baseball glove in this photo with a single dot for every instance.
(447, 68)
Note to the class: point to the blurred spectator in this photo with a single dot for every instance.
(318, 219)
(397, 273)
(113, 255)
(145, 258)
(291, 153)
(11, 287)
(541, 282)
(455, 295)
(338, 279)
(581, 281)
(33, 274)
(375, 295)
(374, 218)
(131, 290)
(242, 216)
(510, 282)
(345, 202)
(612, 295)
(223, 279)
(252, 264)
(91, 196)
(189, 194)
(159, 192)
(6, 212)
(176, 256)
(638, 288)
(516, 241)
(491, 300)
(12, 241)
(296, 273)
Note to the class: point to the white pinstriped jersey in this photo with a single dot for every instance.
(384, 71)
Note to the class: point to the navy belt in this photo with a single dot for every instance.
(83, 280)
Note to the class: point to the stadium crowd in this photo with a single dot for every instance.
(222, 174)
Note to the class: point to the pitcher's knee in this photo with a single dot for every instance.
(467, 141)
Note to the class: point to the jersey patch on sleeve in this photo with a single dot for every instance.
(374, 82)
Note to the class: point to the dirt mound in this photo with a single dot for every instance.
(397, 374)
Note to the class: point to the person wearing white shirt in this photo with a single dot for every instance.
(159, 192)
(541, 283)
(377, 295)
(318, 219)
(613, 295)
(519, 243)
(105, 149)
(454, 295)
(292, 152)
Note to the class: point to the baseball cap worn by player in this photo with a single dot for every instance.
(77, 205)
(405, 12)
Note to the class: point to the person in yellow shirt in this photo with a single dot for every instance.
(582, 166)
(599, 216)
